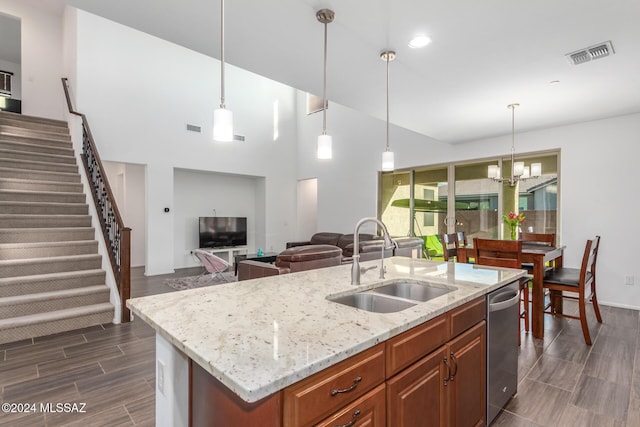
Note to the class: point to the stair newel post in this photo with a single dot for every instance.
(125, 272)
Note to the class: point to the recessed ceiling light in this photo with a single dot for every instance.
(419, 41)
(554, 82)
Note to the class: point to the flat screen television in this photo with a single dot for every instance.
(222, 231)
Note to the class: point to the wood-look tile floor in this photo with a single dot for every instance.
(111, 369)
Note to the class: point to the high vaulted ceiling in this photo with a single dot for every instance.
(484, 55)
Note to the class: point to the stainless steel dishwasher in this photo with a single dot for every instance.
(503, 307)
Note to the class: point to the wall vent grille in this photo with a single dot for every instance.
(194, 128)
(238, 138)
(601, 50)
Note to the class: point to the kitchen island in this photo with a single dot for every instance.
(256, 338)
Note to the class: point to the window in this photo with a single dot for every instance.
(431, 200)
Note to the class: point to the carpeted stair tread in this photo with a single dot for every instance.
(52, 134)
(43, 208)
(45, 221)
(16, 195)
(34, 266)
(47, 249)
(44, 296)
(39, 166)
(13, 173)
(10, 286)
(27, 119)
(36, 140)
(10, 148)
(35, 325)
(32, 185)
(29, 235)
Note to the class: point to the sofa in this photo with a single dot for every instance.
(299, 258)
(326, 250)
(370, 246)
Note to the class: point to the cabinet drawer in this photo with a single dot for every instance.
(322, 394)
(467, 315)
(408, 347)
(369, 411)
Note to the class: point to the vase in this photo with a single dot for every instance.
(514, 231)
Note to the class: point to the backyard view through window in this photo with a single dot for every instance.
(431, 201)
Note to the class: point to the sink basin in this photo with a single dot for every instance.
(412, 290)
(373, 302)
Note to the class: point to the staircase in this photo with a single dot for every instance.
(50, 270)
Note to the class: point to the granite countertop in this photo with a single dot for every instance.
(259, 336)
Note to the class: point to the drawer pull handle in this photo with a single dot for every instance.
(455, 363)
(347, 390)
(353, 420)
(448, 376)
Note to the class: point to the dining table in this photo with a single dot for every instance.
(538, 255)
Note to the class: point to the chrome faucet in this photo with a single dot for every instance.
(389, 243)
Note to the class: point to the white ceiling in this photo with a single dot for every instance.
(484, 55)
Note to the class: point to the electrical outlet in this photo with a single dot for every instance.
(160, 377)
(629, 280)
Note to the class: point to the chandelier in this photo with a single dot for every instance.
(519, 172)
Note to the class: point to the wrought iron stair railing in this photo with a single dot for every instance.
(117, 236)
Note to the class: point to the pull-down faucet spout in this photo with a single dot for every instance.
(389, 243)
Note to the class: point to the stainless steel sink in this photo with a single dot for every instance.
(415, 291)
(373, 302)
(393, 295)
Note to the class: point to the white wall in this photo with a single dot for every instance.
(307, 208)
(41, 88)
(128, 185)
(199, 194)
(139, 92)
(348, 184)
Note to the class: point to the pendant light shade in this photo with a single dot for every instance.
(222, 118)
(222, 125)
(388, 163)
(324, 146)
(388, 159)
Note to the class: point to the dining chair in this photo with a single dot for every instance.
(449, 246)
(508, 254)
(212, 263)
(562, 281)
(546, 239)
(462, 238)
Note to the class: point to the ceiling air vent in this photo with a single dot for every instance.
(590, 53)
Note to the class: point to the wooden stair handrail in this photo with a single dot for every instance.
(120, 247)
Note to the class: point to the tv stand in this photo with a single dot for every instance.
(230, 251)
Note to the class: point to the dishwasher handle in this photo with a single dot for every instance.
(504, 300)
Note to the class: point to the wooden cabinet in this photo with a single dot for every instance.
(328, 391)
(368, 411)
(447, 386)
(416, 396)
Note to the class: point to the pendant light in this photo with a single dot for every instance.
(325, 16)
(388, 163)
(222, 118)
(519, 172)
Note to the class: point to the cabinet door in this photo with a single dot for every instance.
(416, 396)
(368, 411)
(467, 390)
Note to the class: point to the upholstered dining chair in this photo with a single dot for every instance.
(562, 282)
(449, 246)
(508, 254)
(213, 264)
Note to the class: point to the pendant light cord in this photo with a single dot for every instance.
(324, 85)
(222, 54)
(387, 60)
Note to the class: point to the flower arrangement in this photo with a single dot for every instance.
(513, 220)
